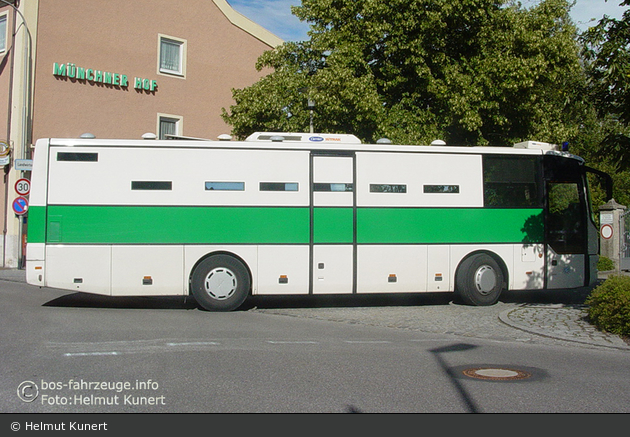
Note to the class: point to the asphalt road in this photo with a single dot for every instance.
(78, 353)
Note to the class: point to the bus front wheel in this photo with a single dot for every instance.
(220, 283)
(479, 280)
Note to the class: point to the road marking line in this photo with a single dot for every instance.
(366, 341)
(194, 343)
(291, 342)
(88, 354)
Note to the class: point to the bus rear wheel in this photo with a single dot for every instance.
(220, 283)
(479, 280)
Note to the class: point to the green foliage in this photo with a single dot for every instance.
(605, 264)
(609, 305)
(605, 138)
(607, 51)
(467, 71)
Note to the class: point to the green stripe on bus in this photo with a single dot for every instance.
(282, 225)
(333, 225)
(177, 225)
(36, 224)
(449, 225)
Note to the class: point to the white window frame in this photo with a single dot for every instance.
(181, 70)
(177, 119)
(5, 17)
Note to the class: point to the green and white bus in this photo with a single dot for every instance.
(306, 214)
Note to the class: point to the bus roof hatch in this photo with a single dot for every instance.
(536, 145)
(303, 137)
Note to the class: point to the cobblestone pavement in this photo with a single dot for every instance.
(541, 317)
(529, 317)
(564, 322)
(529, 322)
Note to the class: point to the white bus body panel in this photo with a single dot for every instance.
(384, 269)
(283, 270)
(79, 268)
(564, 271)
(439, 268)
(415, 171)
(35, 264)
(529, 267)
(107, 182)
(332, 269)
(147, 270)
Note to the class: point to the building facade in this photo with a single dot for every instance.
(113, 69)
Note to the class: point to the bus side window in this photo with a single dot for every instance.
(512, 182)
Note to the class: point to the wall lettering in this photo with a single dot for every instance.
(108, 78)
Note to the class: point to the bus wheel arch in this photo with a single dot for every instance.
(220, 281)
(480, 279)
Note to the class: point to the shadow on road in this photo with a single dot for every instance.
(566, 297)
(348, 301)
(86, 300)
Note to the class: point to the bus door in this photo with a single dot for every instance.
(566, 225)
(332, 223)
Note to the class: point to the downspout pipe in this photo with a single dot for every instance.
(8, 168)
(26, 111)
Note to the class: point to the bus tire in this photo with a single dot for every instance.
(479, 280)
(220, 283)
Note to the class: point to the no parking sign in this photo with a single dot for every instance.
(20, 205)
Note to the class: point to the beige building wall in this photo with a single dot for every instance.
(122, 37)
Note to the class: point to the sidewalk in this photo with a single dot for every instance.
(13, 275)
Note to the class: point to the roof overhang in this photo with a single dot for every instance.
(244, 23)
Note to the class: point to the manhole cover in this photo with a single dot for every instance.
(496, 374)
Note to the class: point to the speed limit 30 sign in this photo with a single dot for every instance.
(23, 187)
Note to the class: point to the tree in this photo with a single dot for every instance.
(466, 71)
(606, 52)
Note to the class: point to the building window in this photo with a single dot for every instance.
(172, 56)
(3, 33)
(169, 125)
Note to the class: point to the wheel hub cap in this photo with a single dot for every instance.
(220, 283)
(485, 279)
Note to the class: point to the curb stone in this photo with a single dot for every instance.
(561, 321)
